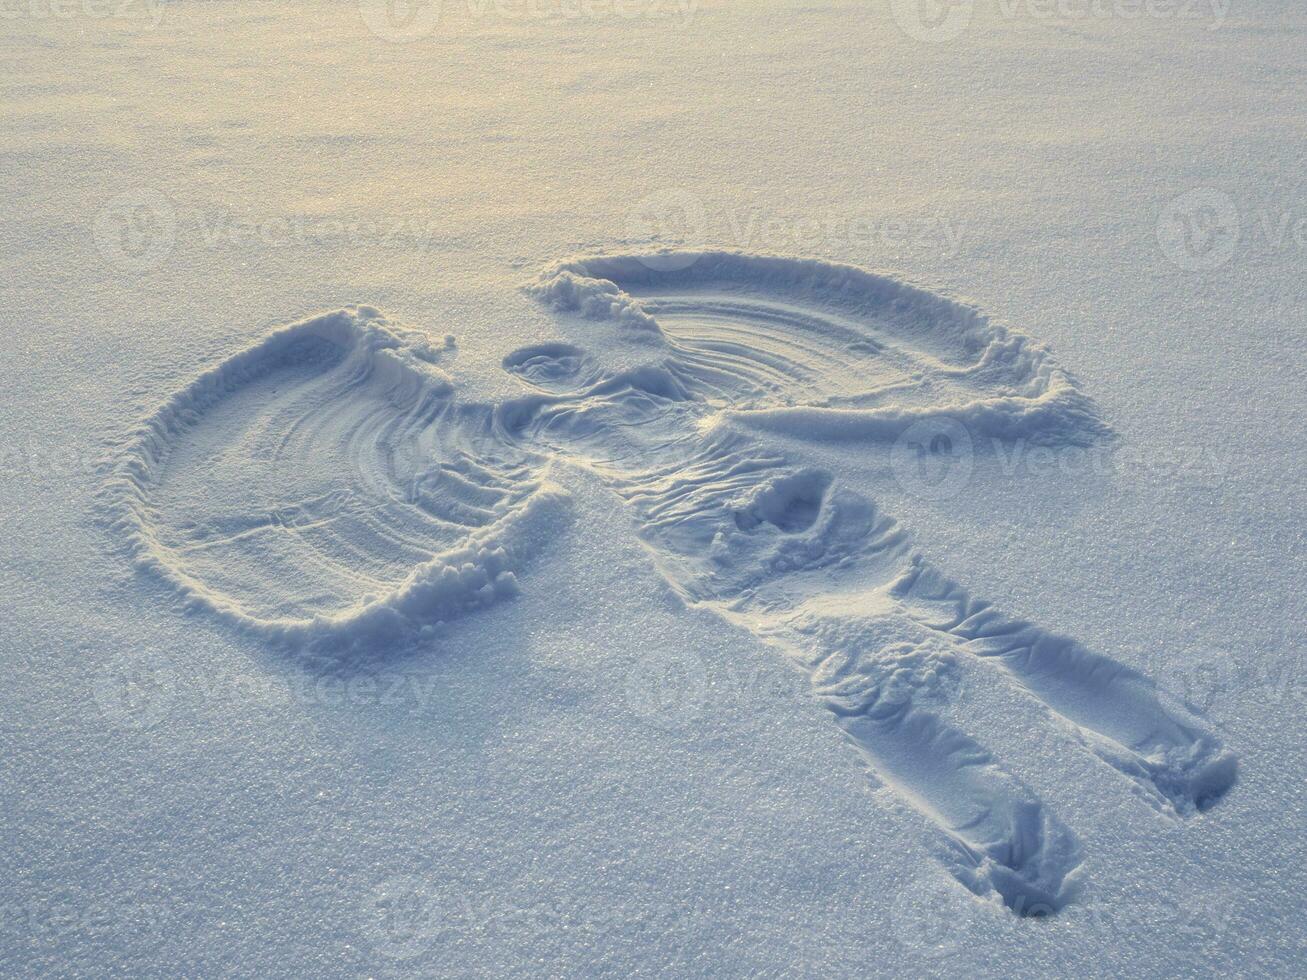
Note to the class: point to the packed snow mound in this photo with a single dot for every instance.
(326, 484)
(829, 350)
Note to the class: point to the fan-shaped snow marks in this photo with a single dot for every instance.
(824, 350)
(552, 367)
(755, 354)
(1180, 765)
(326, 485)
(622, 423)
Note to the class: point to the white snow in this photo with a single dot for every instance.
(513, 489)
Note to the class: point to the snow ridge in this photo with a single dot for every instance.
(325, 485)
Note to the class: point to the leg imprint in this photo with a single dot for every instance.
(812, 349)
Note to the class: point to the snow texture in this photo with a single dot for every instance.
(706, 489)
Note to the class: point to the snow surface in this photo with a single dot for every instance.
(414, 568)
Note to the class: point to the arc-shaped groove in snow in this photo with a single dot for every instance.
(824, 349)
(326, 485)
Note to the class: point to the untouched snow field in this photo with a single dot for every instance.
(650, 488)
